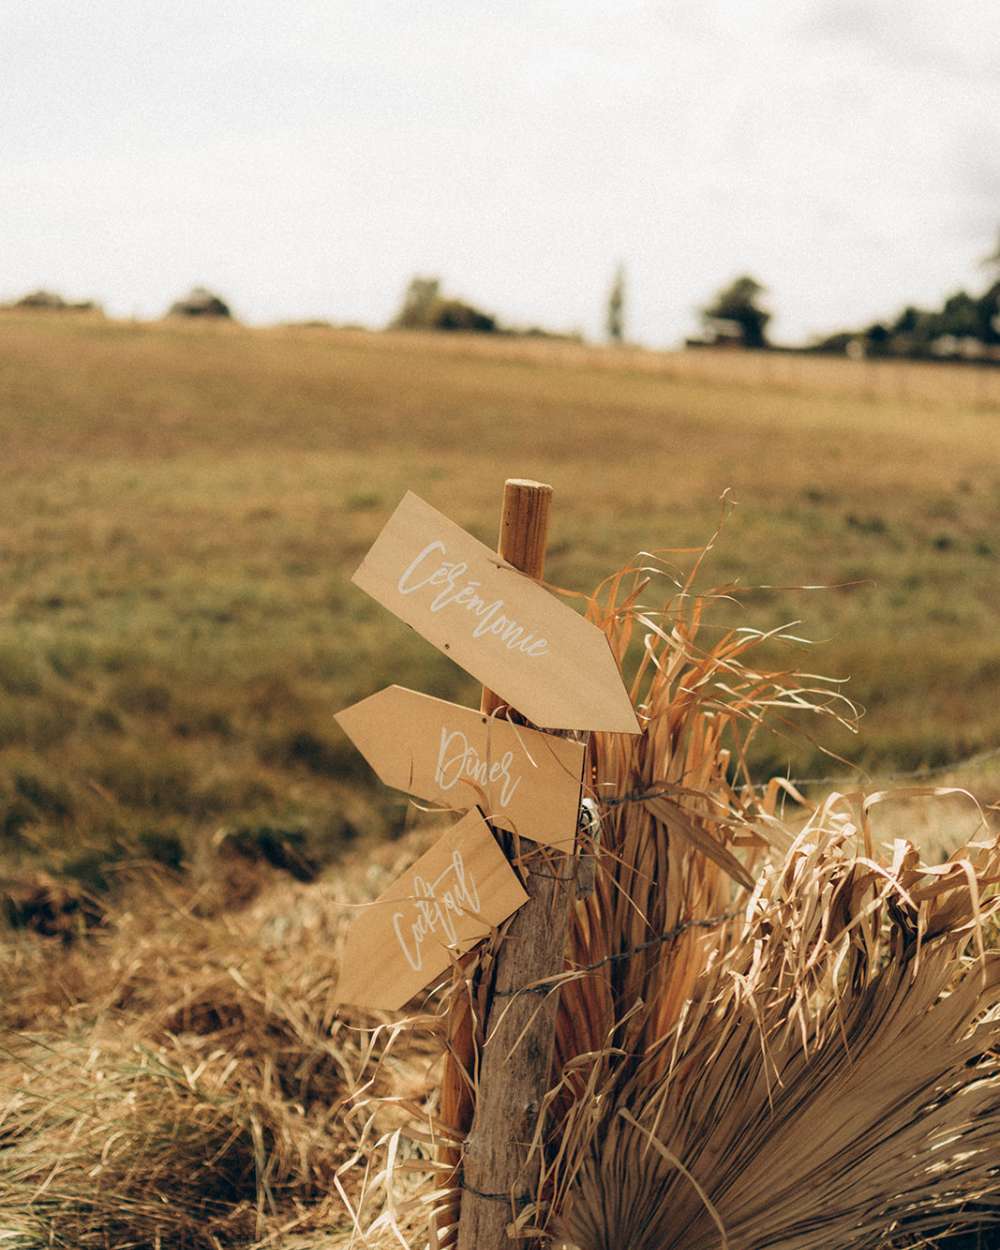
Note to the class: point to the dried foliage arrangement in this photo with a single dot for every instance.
(832, 1079)
(770, 1033)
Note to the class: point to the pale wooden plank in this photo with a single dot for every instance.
(522, 780)
(511, 634)
(446, 902)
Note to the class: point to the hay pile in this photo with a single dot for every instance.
(178, 1079)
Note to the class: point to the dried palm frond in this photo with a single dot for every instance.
(680, 819)
(833, 1079)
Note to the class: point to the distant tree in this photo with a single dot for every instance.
(913, 331)
(425, 308)
(739, 302)
(877, 339)
(988, 314)
(836, 343)
(959, 316)
(908, 321)
(455, 314)
(616, 307)
(50, 301)
(200, 302)
(962, 322)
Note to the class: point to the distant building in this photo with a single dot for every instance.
(719, 332)
(200, 302)
(959, 347)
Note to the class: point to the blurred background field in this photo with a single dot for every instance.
(184, 505)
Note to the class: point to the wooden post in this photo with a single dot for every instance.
(516, 1061)
(524, 532)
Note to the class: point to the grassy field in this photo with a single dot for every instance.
(183, 506)
(182, 509)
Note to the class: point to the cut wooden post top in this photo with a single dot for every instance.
(524, 532)
(524, 524)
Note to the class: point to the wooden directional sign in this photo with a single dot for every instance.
(539, 655)
(520, 779)
(449, 900)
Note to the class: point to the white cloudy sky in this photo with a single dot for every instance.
(305, 157)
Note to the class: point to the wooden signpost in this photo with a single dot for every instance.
(450, 899)
(511, 634)
(496, 1171)
(539, 660)
(522, 780)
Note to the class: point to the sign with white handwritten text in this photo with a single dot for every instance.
(439, 908)
(521, 779)
(544, 659)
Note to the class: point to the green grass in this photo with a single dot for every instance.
(183, 506)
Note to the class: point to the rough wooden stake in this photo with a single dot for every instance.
(516, 1062)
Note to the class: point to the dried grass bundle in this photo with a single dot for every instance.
(680, 819)
(738, 995)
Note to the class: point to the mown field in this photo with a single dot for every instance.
(183, 505)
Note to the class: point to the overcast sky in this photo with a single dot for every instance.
(306, 157)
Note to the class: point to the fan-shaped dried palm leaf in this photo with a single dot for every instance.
(829, 1083)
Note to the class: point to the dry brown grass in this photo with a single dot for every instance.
(183, 506)
(914, 382)
(179, 1078)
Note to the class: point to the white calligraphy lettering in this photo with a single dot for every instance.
(454, 592)
(401, 584)
(438, 904)
(459, 760)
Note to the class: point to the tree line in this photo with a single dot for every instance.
(967, 325)
(964, 326)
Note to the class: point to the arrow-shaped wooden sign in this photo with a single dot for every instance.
(450, 899)
(521, 779)
(539, 655)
